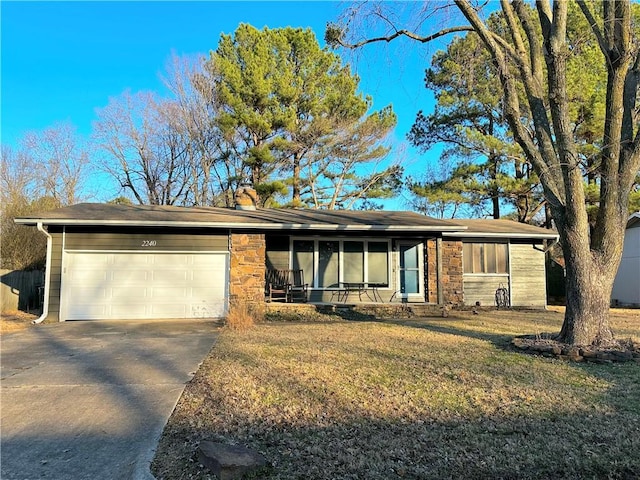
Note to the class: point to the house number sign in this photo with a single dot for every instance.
(149, 243)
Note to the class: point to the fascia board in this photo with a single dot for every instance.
(240, 226)
(501, 235)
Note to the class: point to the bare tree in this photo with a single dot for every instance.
(60, 162)
(534, 61)
(49, 170)
(17, 179)
(20, 194)
(144, 153)
(216, 171)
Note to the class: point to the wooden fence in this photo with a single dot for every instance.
(21, 290)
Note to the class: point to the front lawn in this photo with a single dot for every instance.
(15, 320)
(427, 398)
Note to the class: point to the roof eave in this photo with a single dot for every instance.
(542, 236)
(239, 226)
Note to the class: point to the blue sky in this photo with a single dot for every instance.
(63, 60)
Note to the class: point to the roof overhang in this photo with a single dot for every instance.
(537, 236)
(633, 220)
(241, 225)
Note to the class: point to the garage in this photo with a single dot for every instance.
(116, 285)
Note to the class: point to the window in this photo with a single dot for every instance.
(353, 261)
(409, 269)
(378, 262)
(327, 263)
(485, 257)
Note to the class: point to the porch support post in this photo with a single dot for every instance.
(440, 288)
(247, 268)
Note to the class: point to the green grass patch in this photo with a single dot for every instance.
(423, 398)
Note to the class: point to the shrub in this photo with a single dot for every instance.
(243, 314)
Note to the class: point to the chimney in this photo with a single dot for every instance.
(246, 197)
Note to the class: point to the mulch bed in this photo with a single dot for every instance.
(545, 345)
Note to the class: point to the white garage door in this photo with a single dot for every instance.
(143, 285)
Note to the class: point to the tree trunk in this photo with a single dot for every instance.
(296, 199)
(494, 190)
(495, 201)
(589, 281)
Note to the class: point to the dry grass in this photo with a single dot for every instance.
(423, 398)
(14, 321)
(243, 316)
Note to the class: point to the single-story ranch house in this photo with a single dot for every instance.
(108, 261)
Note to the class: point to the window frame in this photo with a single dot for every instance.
(419, 269)
(314, 281)
(473, 246)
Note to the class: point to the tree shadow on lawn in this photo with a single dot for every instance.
(452, 326)
(562, 446)
(595, 435)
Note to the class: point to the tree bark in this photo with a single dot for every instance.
(296, 197)
(589, 281)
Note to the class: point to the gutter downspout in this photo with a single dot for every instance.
(47, 275)
(548, 246)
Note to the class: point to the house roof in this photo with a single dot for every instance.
(634, 220)
(501, 228)
(95, 214)
(99, 214)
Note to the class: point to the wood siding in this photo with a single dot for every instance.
(482, 288)
(528, 281)
(55, 278)
(147, 242)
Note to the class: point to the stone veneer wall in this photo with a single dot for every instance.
(452, 271)
(431, 261)
(247, 267)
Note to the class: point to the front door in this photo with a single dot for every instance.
(411, 268)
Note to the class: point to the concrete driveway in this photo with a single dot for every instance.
(89, 400)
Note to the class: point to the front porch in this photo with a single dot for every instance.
(341, 270)
(385, 275)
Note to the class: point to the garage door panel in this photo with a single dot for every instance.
(205, 277)
(163, 293)
(171, 277)
(129, 276)
(207, 310)
(106, 285)
(132, 311)
(177, 260)
(88, 275)
(131, 260)
(131, 295)
(85, 310)
(168, 310)
(201, 292)
(92, 293)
